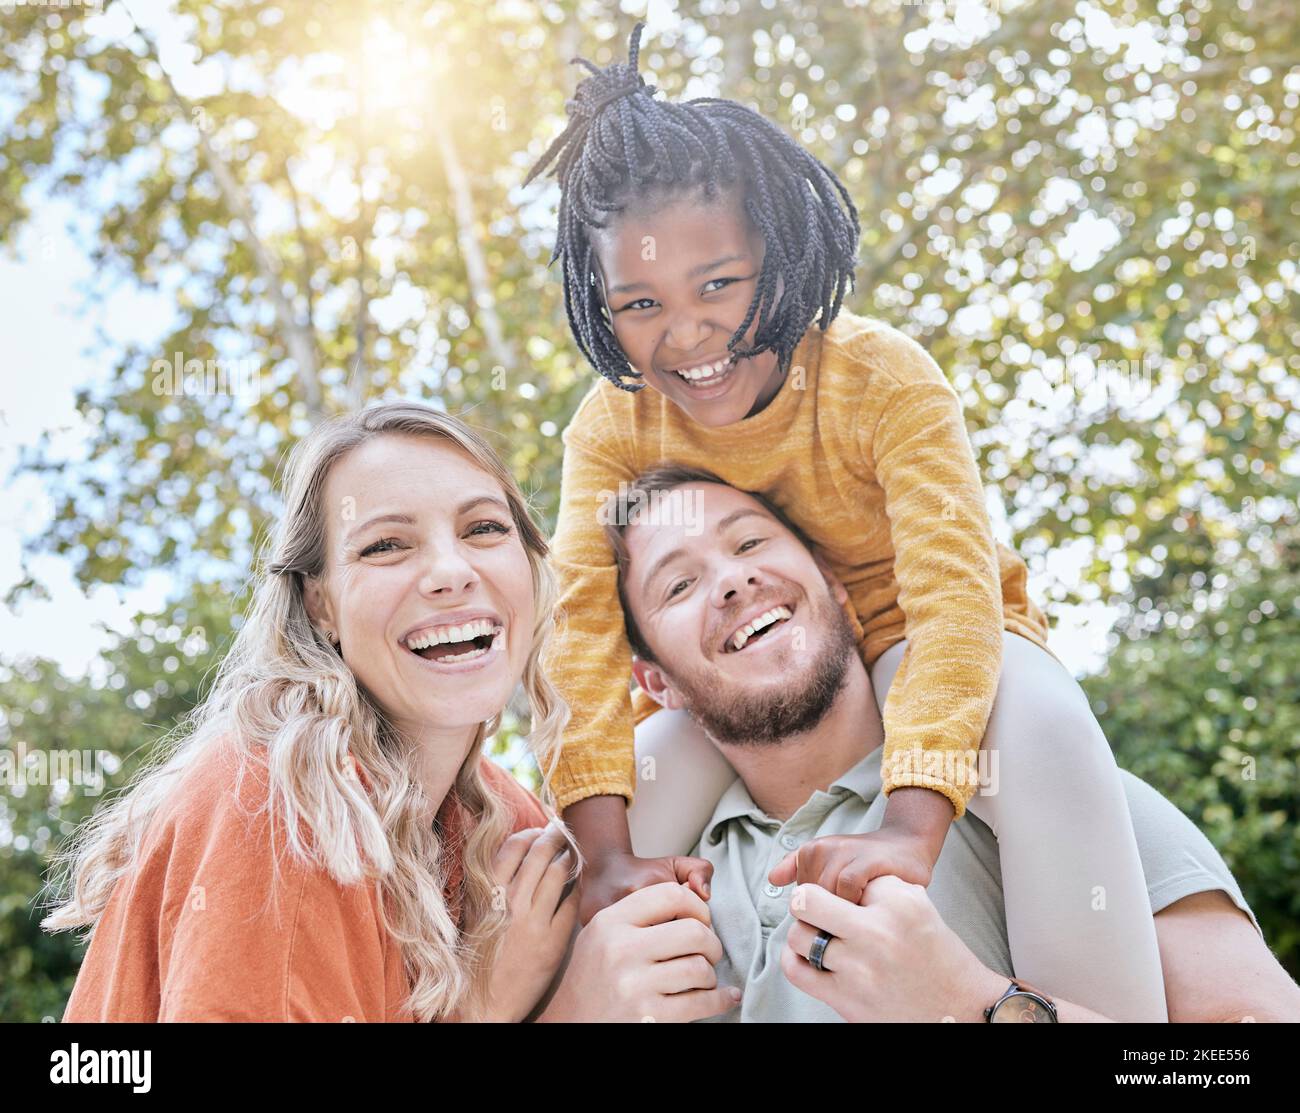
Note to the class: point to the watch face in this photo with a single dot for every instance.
(1020, 1008)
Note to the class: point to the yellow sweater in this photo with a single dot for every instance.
(865, 448)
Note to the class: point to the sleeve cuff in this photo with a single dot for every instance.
(1200, 881)
(572, 793)
(957, 795)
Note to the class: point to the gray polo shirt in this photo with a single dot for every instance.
(752, 919)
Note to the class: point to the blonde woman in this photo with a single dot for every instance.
(326, 841)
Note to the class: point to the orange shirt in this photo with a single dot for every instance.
(206, 928)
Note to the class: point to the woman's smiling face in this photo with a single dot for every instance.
(678, 280)
(427, 585)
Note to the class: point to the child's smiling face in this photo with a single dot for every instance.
(678, 279)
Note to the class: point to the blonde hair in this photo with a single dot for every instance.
(285, 694)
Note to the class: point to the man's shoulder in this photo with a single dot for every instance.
(1177, 857)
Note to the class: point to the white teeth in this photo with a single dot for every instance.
(742, 636)
(447, 634)
(705, 371)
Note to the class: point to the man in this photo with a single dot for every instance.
(800, 724)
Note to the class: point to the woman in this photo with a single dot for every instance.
(327, 841)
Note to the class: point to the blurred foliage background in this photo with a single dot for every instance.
(1085, 210)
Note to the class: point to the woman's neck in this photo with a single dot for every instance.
(439, 754)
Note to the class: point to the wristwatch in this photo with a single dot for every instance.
(1021, 1004)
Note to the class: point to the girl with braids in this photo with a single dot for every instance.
(700, 246)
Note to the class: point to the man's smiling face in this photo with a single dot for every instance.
(749, 634)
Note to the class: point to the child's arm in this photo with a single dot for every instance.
(949, 586)
(950, 591)
(949, 581)
(590, 663)
(611, 869)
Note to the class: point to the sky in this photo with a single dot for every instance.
(51, 338)
(52, 329)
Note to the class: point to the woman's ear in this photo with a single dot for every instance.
(652, 680)
(317, 601)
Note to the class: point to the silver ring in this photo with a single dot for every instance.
(818, 949)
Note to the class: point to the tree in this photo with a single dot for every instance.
(1086, 210)
(97, 731)
(1201, 698)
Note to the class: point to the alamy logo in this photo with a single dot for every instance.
(83, 768)
(677, 507)
(103, 1067)
(196, 378)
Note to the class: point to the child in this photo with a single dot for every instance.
(699, 246)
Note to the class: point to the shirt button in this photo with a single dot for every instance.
(789, 842)
(772, 890)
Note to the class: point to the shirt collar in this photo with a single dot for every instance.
(863, 779)
(736, 803)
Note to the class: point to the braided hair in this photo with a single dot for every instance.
(621, 145)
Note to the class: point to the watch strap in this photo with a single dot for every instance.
(1020, 986)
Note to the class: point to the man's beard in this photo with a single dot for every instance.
(741, 718)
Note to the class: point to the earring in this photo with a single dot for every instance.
(332, 638)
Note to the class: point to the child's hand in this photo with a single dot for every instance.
(846, 864)
(612, 875)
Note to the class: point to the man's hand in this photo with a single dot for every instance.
(892, 958)
(611, 875)
(648, 957)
